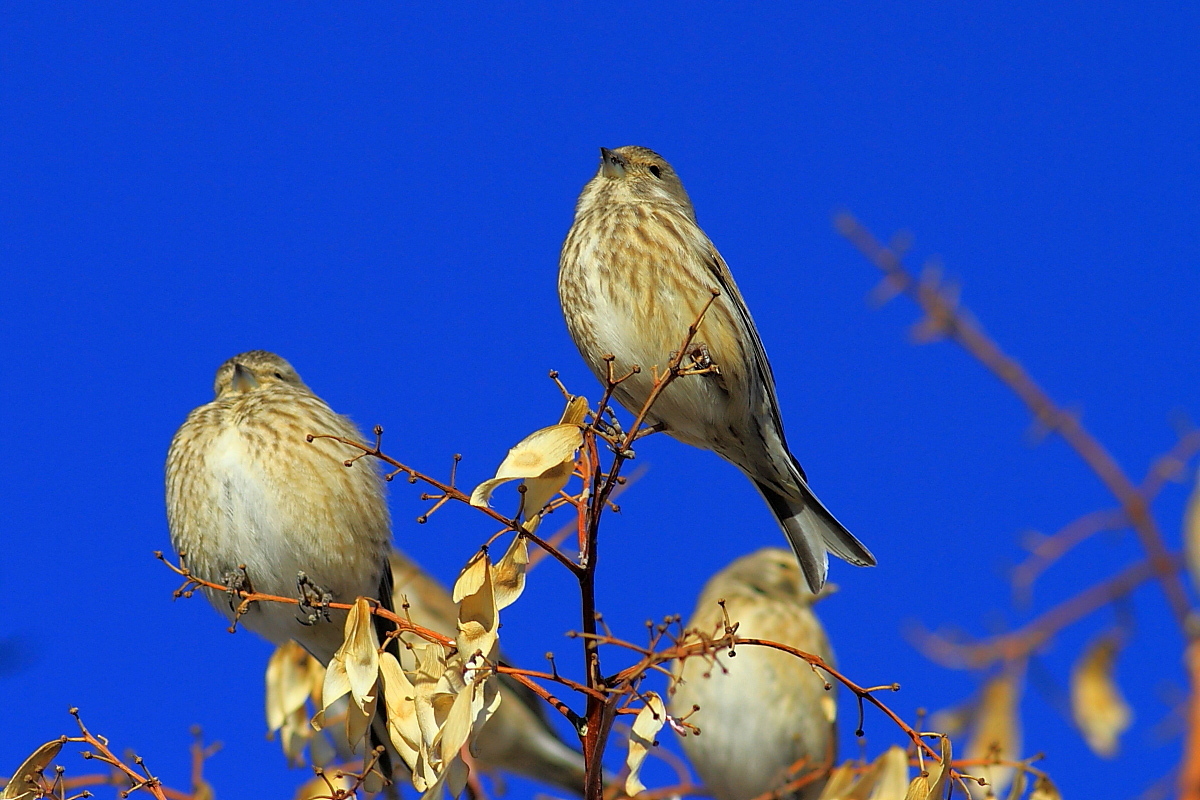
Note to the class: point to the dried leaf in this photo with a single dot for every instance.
(1018, 785)
(478, 618)
(938, 787)
(456, 776)
(547, 454)
(646, 725)
(492, 698)
(23, 783)
(508, 577)
(893, 775)
(289, 682)
(399, 696)
(1045, 789)
(918, 789)
(840, 779)
(335, 686)
(360, 653)
(540, 491)
(576, 411)
(1097, 704)
(431, 666)
(457, 728)
(294, 734)
(866, 782)
(997, 731)
(358, 720)
(436, 788)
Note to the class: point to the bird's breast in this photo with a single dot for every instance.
(632, 281)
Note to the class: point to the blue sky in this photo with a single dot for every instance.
(379, 193)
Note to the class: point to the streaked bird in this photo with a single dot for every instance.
(246, 488)
(764, 710)
(518, 738)
(634, 274)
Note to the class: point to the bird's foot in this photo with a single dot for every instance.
(237, 582)
(610, 426)
(696, 361)
(314, 600)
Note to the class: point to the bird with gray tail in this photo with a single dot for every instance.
(765, 710)
(253, 504)
(245, 488)
(635, 272)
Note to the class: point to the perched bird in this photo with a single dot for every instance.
(518, 738)
(634, 274)
(765, 710)
(246, 487)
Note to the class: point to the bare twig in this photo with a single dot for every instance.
(945, 317)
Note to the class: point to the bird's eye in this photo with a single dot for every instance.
(279, 375)
(655, 171)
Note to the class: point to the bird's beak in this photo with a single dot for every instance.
(243, 379)
(611, 164)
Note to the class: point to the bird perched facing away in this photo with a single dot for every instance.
(634, 274)
(766, 709)
(245, 487)
(518, 738)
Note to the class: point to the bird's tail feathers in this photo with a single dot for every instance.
(814, 533)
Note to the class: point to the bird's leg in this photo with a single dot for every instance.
(314, 600)
(237, 582)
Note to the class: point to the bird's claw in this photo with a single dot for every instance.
(314, 600)
(237, 582)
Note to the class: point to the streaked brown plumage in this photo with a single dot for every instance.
(244, 486)
(635, 272)
(764, 710)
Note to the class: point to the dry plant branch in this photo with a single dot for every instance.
(1048, 550)
(599, 454)
(403, 625)
(124, 777)
(945, 317)
(599, 714)
(449, 492)
(1021, 643)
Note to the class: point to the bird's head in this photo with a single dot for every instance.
(252, 370)
(634, 174)
(771, 571)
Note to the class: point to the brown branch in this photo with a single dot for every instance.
(1015, 646)
(143, 781)
(403, 624)
(802, 779)
(1189, 772)
(599, 714)
(1051, 548)
(448, 490)
(566, 530)
(945, 317)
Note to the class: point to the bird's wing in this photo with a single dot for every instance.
(761, 378)
(382, 626)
